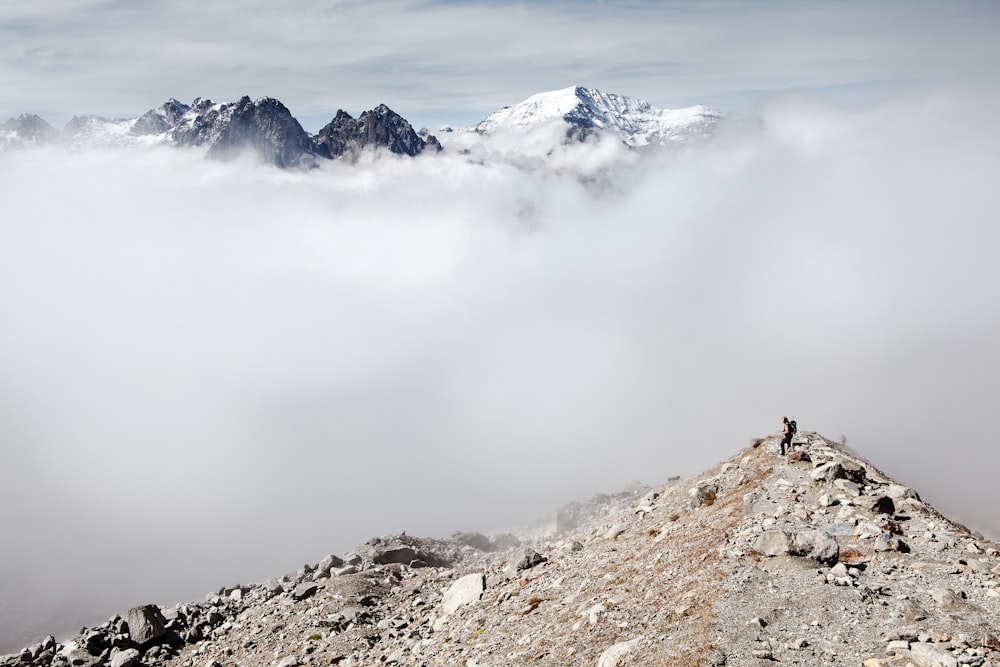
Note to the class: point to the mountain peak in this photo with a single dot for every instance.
(813, 558)
(588, 111)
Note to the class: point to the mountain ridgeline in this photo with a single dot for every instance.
(263, 127)
(816, 557)
(266, 129)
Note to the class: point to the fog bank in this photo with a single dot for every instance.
(214, 372)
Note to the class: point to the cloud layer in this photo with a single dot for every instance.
(217, 371)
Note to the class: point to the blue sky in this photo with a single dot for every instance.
(453, 63)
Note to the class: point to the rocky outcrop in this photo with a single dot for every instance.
(161, 119)
(263, 127)
(27, 130)
(774, 565)
(379, 128)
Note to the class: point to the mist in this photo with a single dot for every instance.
(215, 372)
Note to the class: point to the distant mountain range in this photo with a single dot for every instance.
(267, 129)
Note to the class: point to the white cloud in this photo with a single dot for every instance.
(221, 369)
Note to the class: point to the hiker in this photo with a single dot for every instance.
(789, 431)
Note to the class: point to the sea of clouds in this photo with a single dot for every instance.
(215, 372)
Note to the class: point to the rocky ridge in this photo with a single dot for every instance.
(817, 558)
(262, 127)
(266, 129)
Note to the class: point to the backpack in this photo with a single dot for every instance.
(793, 428)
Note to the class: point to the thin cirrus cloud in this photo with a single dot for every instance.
(216, 371)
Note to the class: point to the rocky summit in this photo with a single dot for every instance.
(263, 128)
(815, 558)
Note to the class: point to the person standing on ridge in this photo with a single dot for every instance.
(789, 431)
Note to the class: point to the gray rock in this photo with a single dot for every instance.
(827, 472)
(464, 591)
(305, 590)
(854, 471)
(815, 544)
(326, 565)
(80, 658)
(617, 655)
(929, 655)
(899, 492)
(703, 494)
(947, 599)
(773, 543)
(886, 542)
(847, 486)
(523, 559)
(145, 623)
(883, 505)
(125, 658)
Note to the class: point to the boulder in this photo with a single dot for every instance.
(126, 658)
(327, 564)
(465, 590)
(885, 542)
(703, 494)
(854, 471)
(827, 472)
(929, 655)
(884, 505)
(523, 559)
(847, 486)
(815, 544)
(899, 492)
(773, 543)
(305, 590)
(145, 623)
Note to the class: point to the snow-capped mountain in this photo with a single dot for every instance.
(587, 111)
(531, 130)
(263, 127)
(26, 130)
